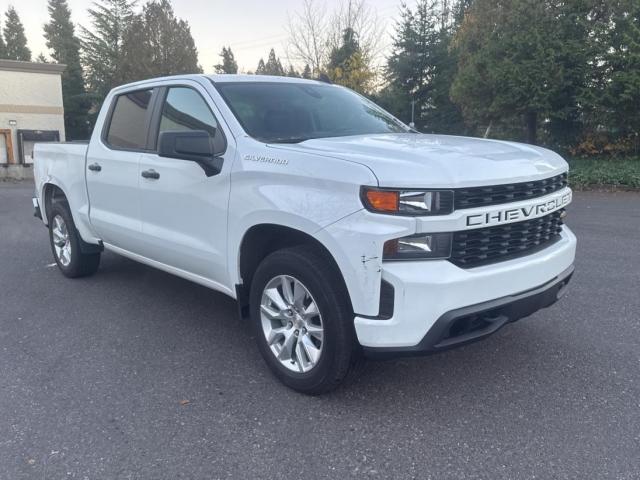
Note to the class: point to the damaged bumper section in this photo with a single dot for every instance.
(469, 324)
(438, 306)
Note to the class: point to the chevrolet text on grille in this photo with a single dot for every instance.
(517, 214)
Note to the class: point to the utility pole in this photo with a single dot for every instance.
(413, 112)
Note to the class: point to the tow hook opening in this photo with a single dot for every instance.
(473, 324)
(562, 289)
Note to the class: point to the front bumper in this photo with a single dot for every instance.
(470, 324)
(438, 305)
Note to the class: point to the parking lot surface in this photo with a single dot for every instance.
(135, 374)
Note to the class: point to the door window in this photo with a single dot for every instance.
(185, 110)
(128, 126)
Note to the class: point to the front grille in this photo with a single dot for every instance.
(497, 194)
(483, 246)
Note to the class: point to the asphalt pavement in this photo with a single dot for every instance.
(135, 374)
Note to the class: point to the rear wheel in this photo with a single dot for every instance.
(66, 244)
(303, 320)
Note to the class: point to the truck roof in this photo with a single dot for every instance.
(224, 78)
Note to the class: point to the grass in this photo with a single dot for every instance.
(606, 173)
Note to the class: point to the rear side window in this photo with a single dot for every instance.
(128, 126)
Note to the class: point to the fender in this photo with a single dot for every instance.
(360, 263)
(270, 217)
(298, 190)
(80, 215)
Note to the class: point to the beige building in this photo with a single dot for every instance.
(30, 110)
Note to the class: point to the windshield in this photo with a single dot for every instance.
(294, 112)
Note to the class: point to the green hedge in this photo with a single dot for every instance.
(605, 173)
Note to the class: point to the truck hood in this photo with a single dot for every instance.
(412, 160)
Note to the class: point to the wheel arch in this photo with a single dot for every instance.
(262, 239)
(51, 192)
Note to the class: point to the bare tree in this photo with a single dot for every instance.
(308, 31)
(314, 32)
(360, 17)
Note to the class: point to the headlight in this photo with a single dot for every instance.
(408, 202)
(419, 247)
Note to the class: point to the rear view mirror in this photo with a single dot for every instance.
(194, 145)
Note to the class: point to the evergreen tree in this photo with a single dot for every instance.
(459, 9)
(3, 47)
(519, 59)
(292, 72)
(564, 122)
(229, 64)
(102, 46)
(617, 73)
(65, 49)
(273, 65)
(261, 68)
(157, 44)
(340, 56)
(421, 68)
(41, 58)
(348, 66)
(306, 73)
(15, 40)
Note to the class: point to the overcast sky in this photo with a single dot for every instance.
(250, 27)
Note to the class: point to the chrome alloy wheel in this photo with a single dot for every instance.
(291, 323)
(61, 241)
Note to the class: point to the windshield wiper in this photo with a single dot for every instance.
(288, 140)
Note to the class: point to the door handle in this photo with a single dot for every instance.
(95, 167)
(151, 174)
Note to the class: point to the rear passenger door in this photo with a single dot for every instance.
(112, 169)
(183, 210)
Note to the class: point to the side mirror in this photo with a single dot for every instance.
(194, 145)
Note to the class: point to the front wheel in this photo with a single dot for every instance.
(302, 319)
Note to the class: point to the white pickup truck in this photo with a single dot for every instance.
(338, 229)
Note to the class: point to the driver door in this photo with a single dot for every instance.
(184, 211)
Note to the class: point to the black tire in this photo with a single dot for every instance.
(80, 264)
(315, 271)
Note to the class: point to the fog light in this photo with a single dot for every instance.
(419, 247)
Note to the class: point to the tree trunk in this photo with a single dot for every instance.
(531, 119)
(488, 130)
